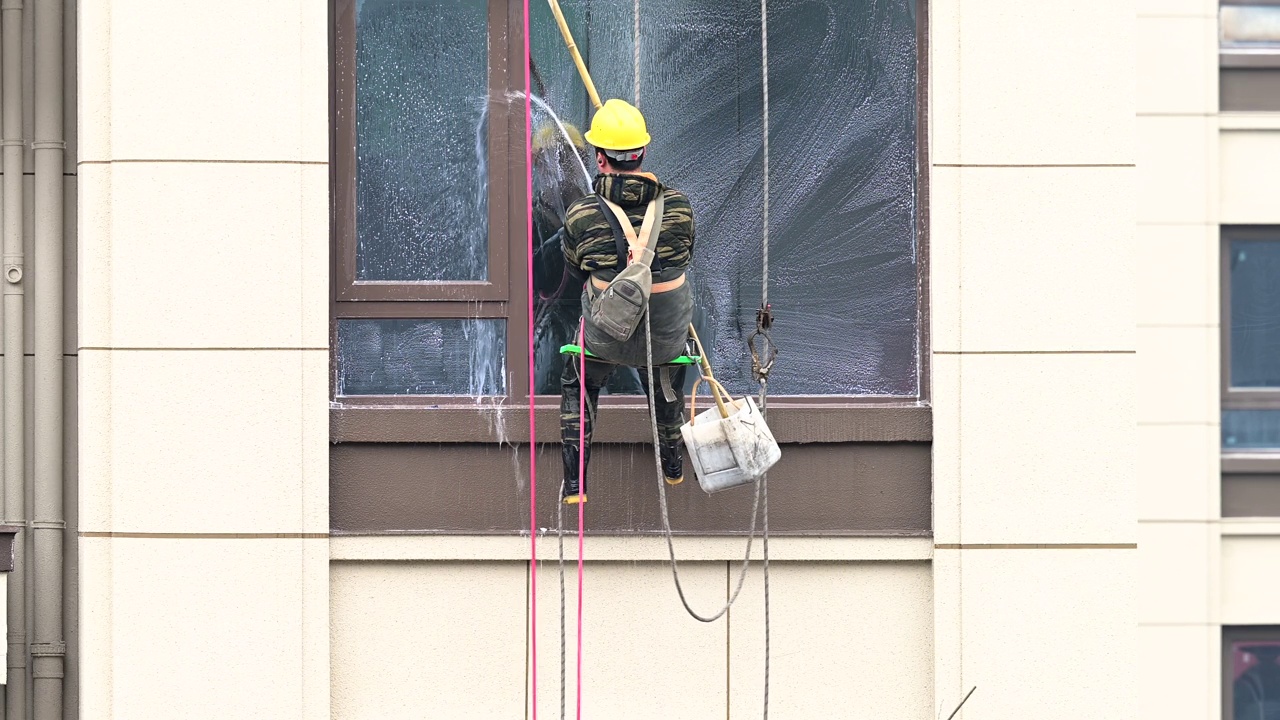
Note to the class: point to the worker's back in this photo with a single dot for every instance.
(591, 247)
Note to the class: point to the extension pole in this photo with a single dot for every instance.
(573, 51)
(15, 502)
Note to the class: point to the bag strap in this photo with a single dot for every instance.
(644, 241)
(619, 239)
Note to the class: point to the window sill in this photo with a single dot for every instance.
(792, 421)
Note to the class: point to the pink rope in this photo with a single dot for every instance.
(582, 476)
(533, 436)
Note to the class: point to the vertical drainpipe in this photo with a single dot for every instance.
(48, 649)
(14, 352)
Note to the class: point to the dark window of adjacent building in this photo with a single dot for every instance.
(1251, 371)
(1249, 55)
(1251, 672)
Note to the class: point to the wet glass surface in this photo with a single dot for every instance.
(1250, 429)
(422, 357)
(421, 194)
(842, 175)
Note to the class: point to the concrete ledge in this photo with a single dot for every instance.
(642, 548)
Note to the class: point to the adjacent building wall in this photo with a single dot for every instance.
(1032, 254)
(203, 340)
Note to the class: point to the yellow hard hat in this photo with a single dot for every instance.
(618, 126)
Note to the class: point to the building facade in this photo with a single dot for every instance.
(1019, 260)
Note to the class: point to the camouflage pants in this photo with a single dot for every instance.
(670, 413)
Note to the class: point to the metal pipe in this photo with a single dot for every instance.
(15, 431)
(48, 649)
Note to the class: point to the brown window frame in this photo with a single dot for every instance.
(1237, 633)
(450, 418)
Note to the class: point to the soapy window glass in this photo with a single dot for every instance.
(842, 176)
(432, 79)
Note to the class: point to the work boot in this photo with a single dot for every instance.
(672, 462)
(571, 494)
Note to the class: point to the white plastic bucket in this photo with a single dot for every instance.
(728, 451)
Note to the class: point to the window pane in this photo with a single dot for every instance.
(842, 77)
(421, 184)
(1255, 686)
(1250, 429)
(1250, 26)
(1255, 313)
(422, 357)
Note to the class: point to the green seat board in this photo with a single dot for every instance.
(682, 360)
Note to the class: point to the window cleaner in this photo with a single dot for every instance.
(625, 125)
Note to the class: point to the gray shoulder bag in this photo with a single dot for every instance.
(619, 308)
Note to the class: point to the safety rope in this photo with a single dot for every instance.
(764, 322)
(582, 442)
(662, 497)
(533, 435)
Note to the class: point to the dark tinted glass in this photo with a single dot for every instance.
(1255, 313)
(1255, 686)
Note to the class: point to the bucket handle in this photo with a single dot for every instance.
(718, 393)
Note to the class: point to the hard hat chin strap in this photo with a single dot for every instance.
(624, 155)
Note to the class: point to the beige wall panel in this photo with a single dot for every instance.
(944, 82)
(428, 640)
(1178, 375)
(1046, 259)
(204, 255)
(1250, 177)
(947, 459)
(314, 233)
(155, 619)
(643, 656)
(1179, 8)
(201, 441)
(1249, 566)
(1177, 274)
(1174, 566)
(948, 625)
(1178, 472)
(1060, 102)
(1177, 65)
(944, 259)
(1047, 451)
(1049, 634)
(93, 82)
(1177, 169)
(1175, 672)
(849, 640)
(213, 81)
(94, 252)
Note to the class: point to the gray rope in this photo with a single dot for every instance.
(764, 302)
(560, 544)
(662, 502)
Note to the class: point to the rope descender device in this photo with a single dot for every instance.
(762, 357)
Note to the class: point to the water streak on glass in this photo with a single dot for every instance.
(1255, 680)
(421, 188)
(843, 188)
(422, 357)
(1255, 313)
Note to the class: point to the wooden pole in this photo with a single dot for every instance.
(573, 51)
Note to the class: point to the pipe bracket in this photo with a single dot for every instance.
(48, 649)
(48, 525)
(13, 142)
(11, 5)
(48, 145)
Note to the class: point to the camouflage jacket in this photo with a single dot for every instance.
(588, 241)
